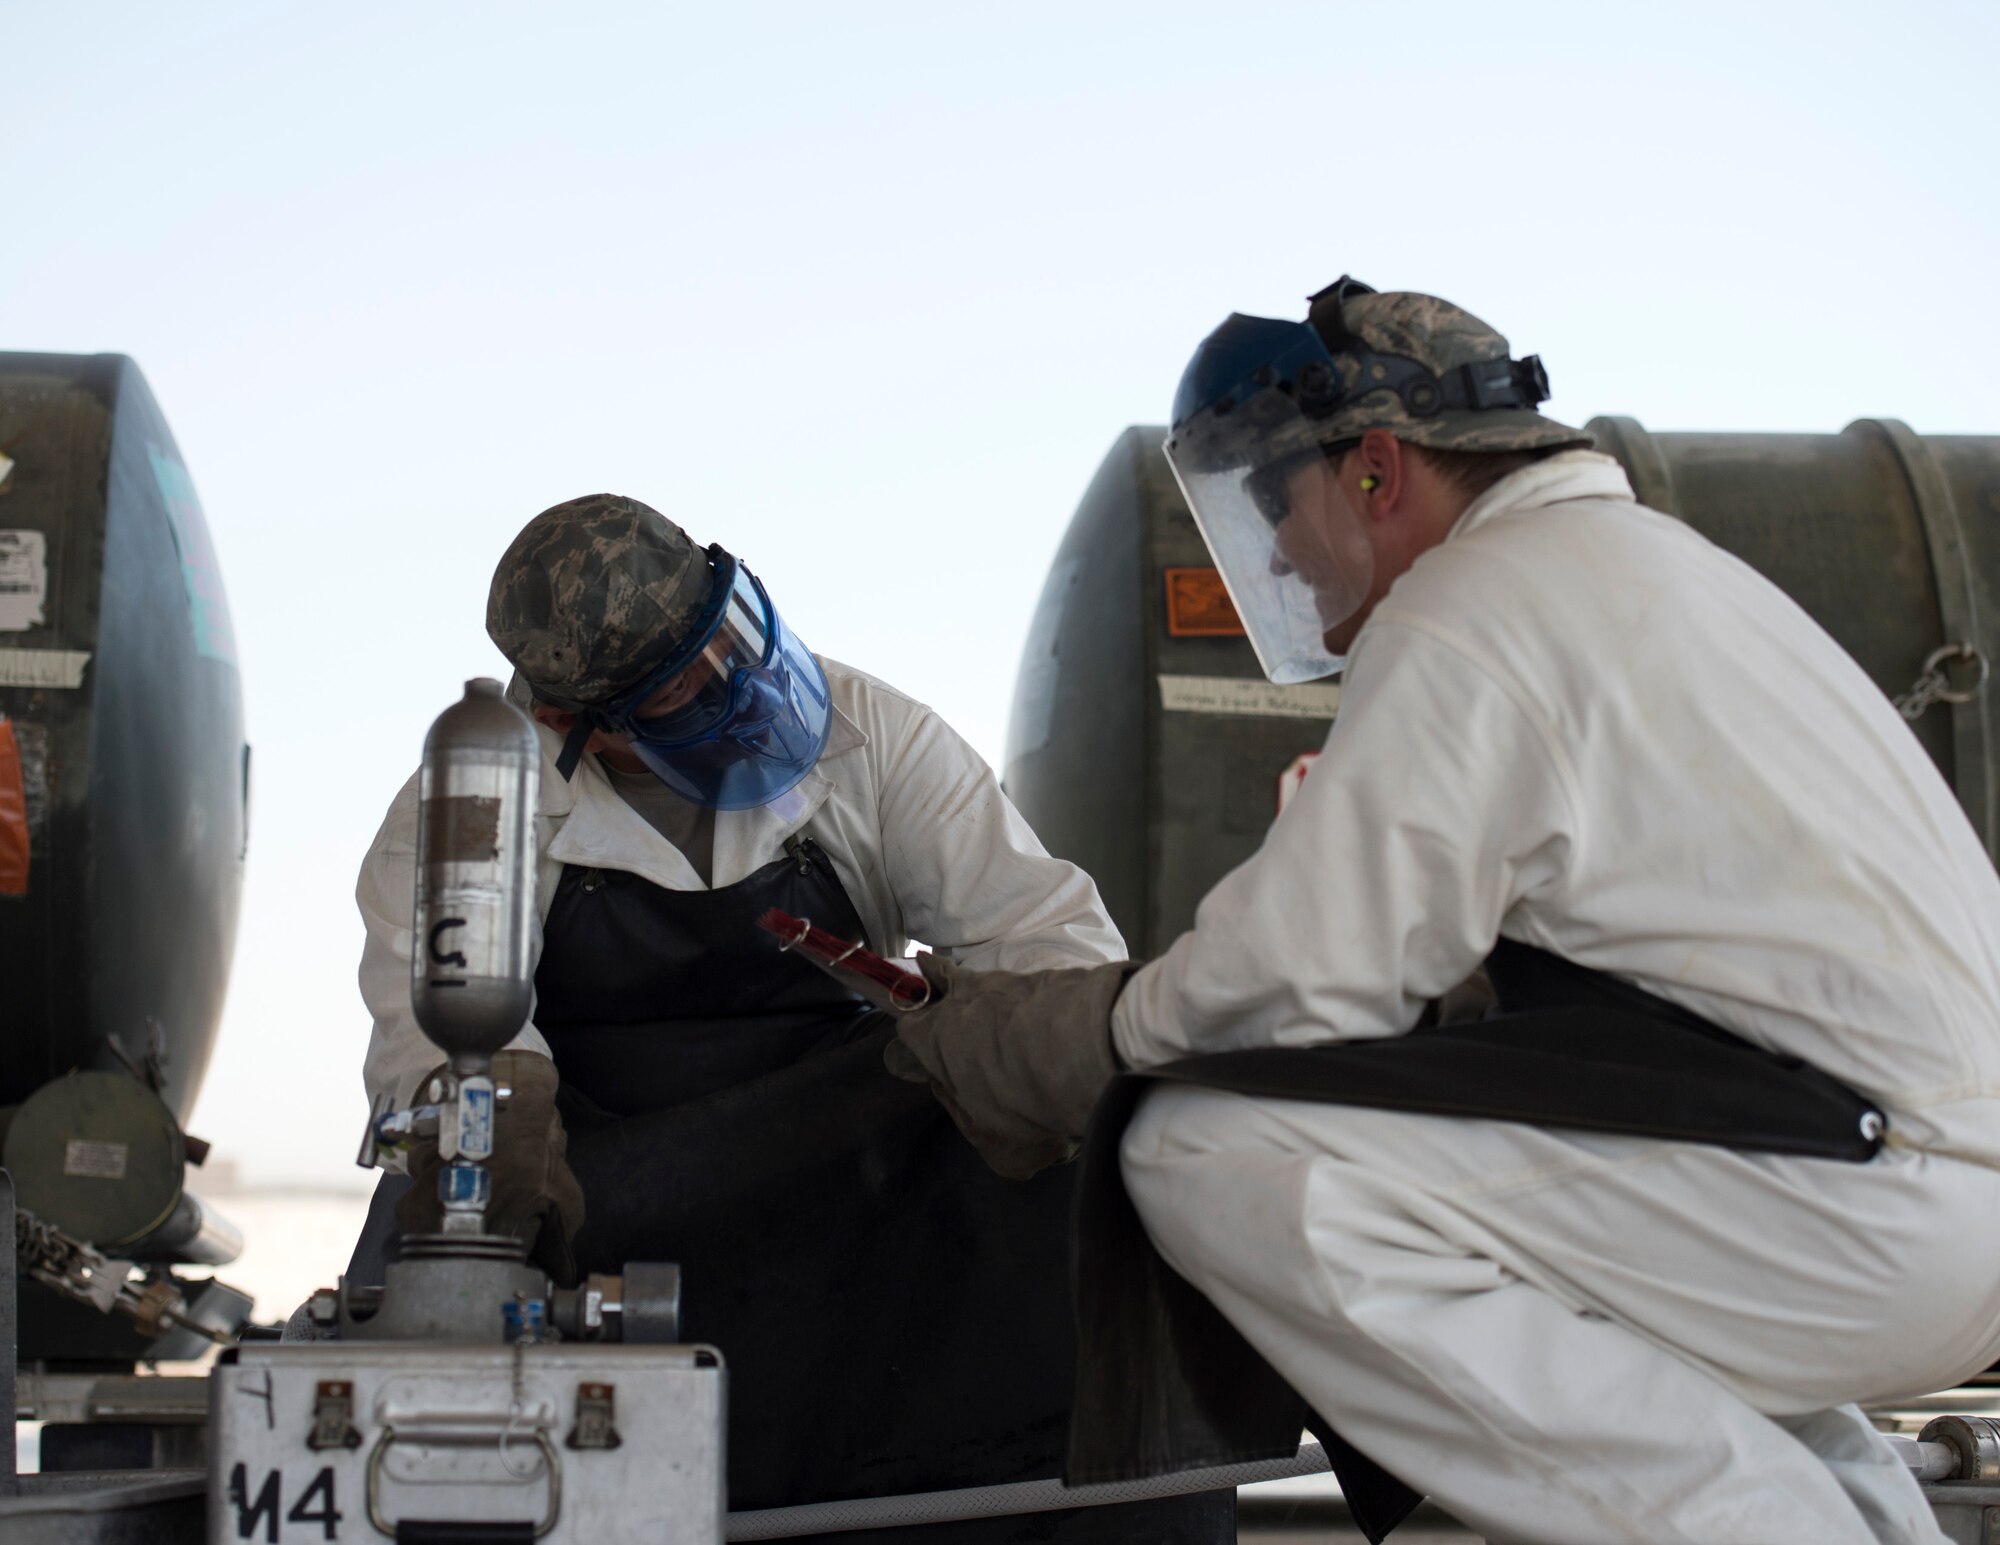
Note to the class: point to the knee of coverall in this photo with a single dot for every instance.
(1232, 1192)
(1887, 1262)
(1175, 1200)
(1224, 1196)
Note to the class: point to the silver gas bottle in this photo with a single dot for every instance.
(470, 975)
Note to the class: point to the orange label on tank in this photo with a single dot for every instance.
(13, 815)
(1199, 607)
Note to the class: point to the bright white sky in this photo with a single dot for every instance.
(864, 292)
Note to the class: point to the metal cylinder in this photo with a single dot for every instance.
(442, 1290)
(1973, 1440)
(471, 981)
(649, 1307)
(97, 1155)
(194, 1234)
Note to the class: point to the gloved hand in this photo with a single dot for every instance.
(1018, 1058)
(535, 1197)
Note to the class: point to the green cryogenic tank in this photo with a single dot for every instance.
(124, 776)
(124, 791)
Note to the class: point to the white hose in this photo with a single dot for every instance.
(941, 1507)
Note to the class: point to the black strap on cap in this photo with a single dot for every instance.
(1494, 383)
(1475, 387)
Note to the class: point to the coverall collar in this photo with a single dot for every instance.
(600, 831)
(1566, 475)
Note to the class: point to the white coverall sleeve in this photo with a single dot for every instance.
(1440, 800)
(969, 875)
(399, 1055)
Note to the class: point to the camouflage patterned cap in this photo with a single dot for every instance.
(1419, 367)
(1442, 338)
(592, 595)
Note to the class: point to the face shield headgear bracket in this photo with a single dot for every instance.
(1474, 387)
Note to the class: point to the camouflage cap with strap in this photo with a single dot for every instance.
(592, 595)
(1430, 373)
(1421, 368)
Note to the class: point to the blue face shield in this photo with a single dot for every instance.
(736, 716)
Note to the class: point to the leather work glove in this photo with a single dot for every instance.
(1018, 1058)
(535, 1197)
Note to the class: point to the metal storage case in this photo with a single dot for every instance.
(564, 1443)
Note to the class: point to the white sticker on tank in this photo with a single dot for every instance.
(24, 580)
(54, 668)
(1250, 697)
(95, 1160)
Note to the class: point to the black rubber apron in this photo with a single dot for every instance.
(894, 1317)
(1166, 1383)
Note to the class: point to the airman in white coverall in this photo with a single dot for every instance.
(1572, 722)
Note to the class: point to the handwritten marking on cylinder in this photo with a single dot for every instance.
(438, 955)
(462, 829)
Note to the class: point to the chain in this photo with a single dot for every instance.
(44, 1246)
(1934, 686)
(517, 1413)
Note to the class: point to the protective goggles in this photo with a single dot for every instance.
(695, 683)
(735, 715)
